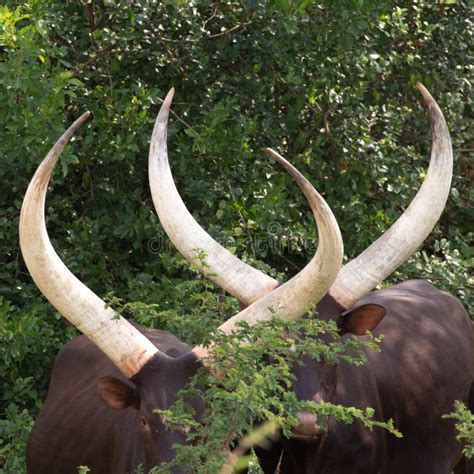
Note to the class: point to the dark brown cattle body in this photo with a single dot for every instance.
(426, 363)
(99, 411)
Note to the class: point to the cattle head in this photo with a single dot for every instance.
(153, 377)
(154, 387)
(323, 381)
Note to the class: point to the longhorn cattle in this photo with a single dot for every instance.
(105, 384)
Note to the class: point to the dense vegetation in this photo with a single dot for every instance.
(329, 84)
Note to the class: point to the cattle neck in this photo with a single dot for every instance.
(157, 387)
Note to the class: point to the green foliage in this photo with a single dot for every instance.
(329, 84)
(83, 470)
(253, 390)
(15, 428)
(465, 426)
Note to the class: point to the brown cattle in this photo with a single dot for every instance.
(426, 363)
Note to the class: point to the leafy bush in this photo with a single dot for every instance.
(15, 428)
(465, 426)
(254, 390)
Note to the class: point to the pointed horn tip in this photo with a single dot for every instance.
(427, 97)
(299, 178)
(82, 118)
(69, 133)
(275, 155)
(166, 105)
(44, 171)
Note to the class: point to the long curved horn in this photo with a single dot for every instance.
(239, 279)
(389, 251)
(128, 349)
(293, 298)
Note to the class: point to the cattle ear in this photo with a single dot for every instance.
(117, 394)
(362, 319)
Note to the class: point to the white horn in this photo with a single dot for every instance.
(128, 349)
(215, 262)
(389, 251)
(293, 298)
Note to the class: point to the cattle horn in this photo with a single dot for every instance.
(293, 298)
(239, 279)
(390, 250)
(128, 349)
